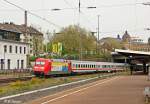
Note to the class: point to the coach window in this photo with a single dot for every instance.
(84, 65)
(76, 65)
(79, 65)
(73, 65)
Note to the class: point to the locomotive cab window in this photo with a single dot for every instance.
(40, 63)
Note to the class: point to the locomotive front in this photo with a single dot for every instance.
(41, 67)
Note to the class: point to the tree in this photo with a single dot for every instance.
(72, 36)
(111, 43)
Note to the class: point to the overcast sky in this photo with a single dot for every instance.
(116, 16)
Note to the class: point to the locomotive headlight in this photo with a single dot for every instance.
(42, 67)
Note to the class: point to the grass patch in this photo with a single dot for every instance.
(37, 83)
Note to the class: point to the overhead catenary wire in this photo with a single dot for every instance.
(76, 8)
(36, 15)
(100, 6)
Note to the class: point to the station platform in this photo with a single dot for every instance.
(117, 90)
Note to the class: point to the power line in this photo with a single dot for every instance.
(100, 6)
(44, 19)
(117, 5)
(68, 3)
(73, 7)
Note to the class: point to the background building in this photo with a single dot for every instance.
(26, 34)
(13, 53)
(135, 43)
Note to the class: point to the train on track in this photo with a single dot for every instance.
(60, 66)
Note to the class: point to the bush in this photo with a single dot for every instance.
(33, 58)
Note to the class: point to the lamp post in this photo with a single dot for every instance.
(97, 43)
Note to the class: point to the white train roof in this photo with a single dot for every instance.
(92, 62)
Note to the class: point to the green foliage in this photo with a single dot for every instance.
(33, 58)
(111, 43)
(36, 83)
(73, 37)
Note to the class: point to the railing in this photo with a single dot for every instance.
(15, 73)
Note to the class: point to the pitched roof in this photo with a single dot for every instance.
(19, 28)
(9, 27)
(30, 29)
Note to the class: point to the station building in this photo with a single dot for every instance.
(26, 34)
(13, 52)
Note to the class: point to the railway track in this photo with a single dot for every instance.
(4, 81)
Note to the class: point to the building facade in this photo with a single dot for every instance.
(33, 37)
(13, 54)
(135, 43)
(25, 34)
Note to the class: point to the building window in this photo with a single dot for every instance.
(22, 64)
(10, 49)
(2, 64)
(24, 50)
(17, 64)
(20, 49)
(5, 48)
(16, 49)
(8, 63)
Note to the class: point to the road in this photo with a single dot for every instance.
(117, 90)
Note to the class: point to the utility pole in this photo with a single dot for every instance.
(98, 35)
(80, 36)
(25, 23)
(79, 6)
